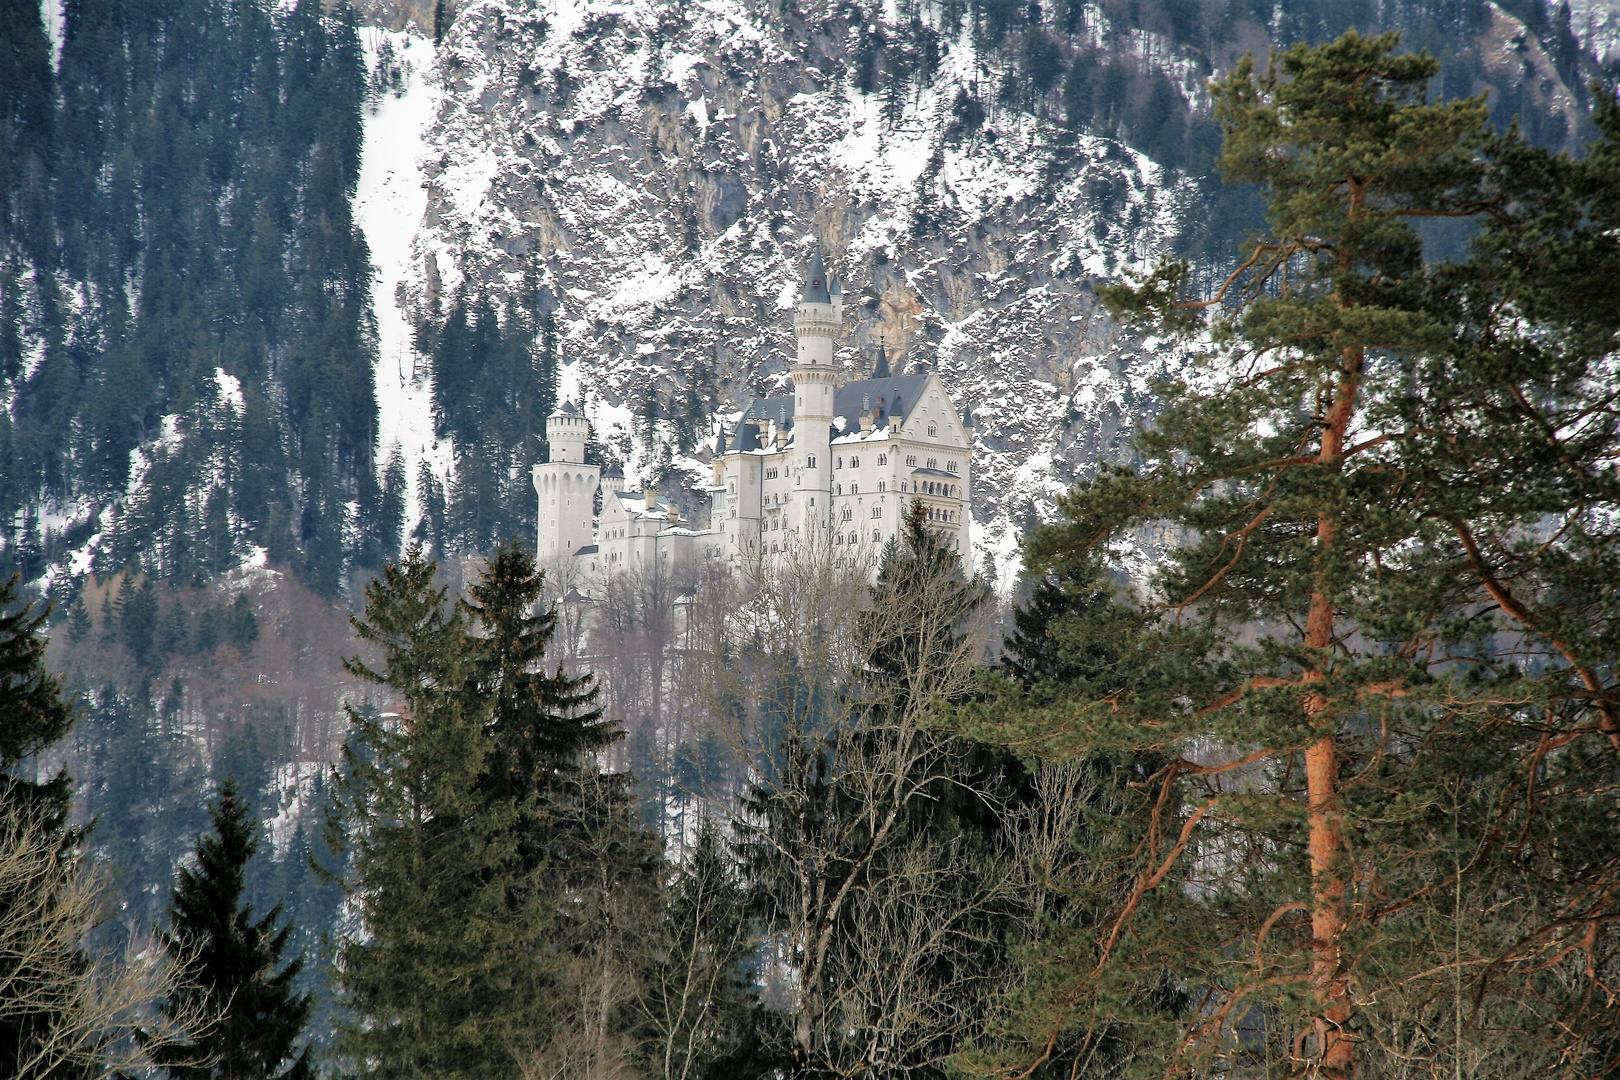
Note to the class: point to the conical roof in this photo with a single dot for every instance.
(815, 285)
(565, 409)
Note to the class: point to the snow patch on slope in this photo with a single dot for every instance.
(389, 207)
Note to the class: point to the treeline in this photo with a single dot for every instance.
(180, 272)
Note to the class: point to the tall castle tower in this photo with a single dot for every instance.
(816, 323)
(566, 486)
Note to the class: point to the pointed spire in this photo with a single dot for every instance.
(815, 285)
(881, 371)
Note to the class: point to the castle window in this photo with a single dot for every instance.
(877, 511)
(882, 486)
(854, 489)
(883, 459)
(849, 513)
(854, 462)
(838, 538)
(933, 429)
(933, 463)
(911, 460)
(876, 536)
(950, 466)
(772, 474)
(839, 464)
(810, 462)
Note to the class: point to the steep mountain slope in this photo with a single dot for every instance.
(653, 175)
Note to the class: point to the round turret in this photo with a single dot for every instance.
(612, 480)
(566, 433)
(815, 321)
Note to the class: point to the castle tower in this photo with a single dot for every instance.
(566, 486)
(816, 324)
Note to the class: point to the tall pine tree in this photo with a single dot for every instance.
(1379, 662)
(238, 977)
(495, 870)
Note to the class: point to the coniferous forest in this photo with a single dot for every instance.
(1292, 753)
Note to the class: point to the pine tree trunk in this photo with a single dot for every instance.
(1334, 1044)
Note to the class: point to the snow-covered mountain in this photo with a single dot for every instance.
(663, 169)
(667, 167)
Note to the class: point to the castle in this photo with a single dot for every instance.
(835, 463)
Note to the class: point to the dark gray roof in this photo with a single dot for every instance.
(835, 285)
(875, 394)
(588, 549)
(882, 393)
(815, 283)
(613, 471)
(566, 409)
(881, 370)
(967, 416)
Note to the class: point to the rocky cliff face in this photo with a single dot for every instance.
(661, 170)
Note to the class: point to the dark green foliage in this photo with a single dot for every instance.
(192, 164)
(34, 714)
(494, 383)
(151, 781)
(239, 974)
(1376, 661)
(540, 724)
(467, 818)
(873, 843)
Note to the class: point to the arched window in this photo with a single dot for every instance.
(883, 459)
(877, 511)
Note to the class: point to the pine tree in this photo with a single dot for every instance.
(451, 976)
(540, 722)
(1379, 660)
(235, 963)
(34, 715)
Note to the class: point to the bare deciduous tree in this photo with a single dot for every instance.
(77, 1009)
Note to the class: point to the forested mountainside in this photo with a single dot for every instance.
(185, 335)
(280, 289)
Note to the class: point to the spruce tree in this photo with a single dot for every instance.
(1379, 657)
(452, 975)
(540, 722)
(235, 963)
(871, 839)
